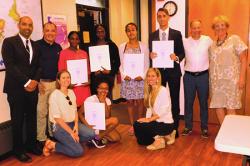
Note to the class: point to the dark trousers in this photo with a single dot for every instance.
(145, 132)
(23, 107)
(193, 84)
(174, 89)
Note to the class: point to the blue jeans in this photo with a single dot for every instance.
(191, 85)
(66, 144)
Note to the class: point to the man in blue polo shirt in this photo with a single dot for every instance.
(49, 64)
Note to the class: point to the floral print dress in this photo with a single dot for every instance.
(224, 73)
(132, 89)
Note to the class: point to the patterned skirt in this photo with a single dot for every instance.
(132, 89)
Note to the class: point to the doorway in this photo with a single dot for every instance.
(87, 18)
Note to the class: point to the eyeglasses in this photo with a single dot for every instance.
(70, 102)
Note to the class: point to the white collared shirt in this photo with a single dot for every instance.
(29, 44)
(196, 53)
(31, 54)
(166, 31)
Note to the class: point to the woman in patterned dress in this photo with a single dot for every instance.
(132, 89)
(227, 71)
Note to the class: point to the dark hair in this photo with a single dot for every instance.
(131, 23)
(100, 80)
(95, 38)
(58, 76)
(163, 10)
(73, 32)
(49, 23)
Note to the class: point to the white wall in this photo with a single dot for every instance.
(4, 106)
(144, 21)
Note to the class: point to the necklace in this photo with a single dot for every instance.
(220, 42)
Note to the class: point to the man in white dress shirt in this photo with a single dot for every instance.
(196, 77)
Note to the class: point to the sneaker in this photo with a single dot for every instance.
(98, 143)
(104, 141)
(204, 133)
(186, 131)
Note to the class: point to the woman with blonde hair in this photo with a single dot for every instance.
(227, 70)
(158, 124)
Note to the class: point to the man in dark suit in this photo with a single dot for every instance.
(21, 58)
(170, 75)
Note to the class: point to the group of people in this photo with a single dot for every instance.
(40, 92)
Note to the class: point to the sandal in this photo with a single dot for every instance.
(47, 149)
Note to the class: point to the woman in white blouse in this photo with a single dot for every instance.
(158, 123)
(63, 115)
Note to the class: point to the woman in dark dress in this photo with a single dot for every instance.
(101, 38)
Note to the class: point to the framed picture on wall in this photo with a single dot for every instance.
(10, 13)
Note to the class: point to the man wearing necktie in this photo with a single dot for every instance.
(170, 76)
(21, 58)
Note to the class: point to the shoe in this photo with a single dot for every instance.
(204, 133)
(23, 158)
(98, 143)
(186, 131)
(36, 151)
(104, 141)
(171, 138)
(159, 143)
(120, 100)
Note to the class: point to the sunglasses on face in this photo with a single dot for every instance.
(70, 102)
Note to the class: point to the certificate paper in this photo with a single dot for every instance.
(78, 70)
(99, 58)
(95, 114)
(133, 65)
(163, 50)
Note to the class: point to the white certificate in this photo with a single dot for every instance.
(163, 50)
(95, 114)
(99, 58)
(78, 70)
(133, 65)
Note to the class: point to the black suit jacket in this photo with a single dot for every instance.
(18, 68)
(178, 50)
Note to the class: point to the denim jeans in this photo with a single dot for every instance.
(193, 84)
(66, 144)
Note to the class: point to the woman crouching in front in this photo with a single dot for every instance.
(63, 115)
(158, 124)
